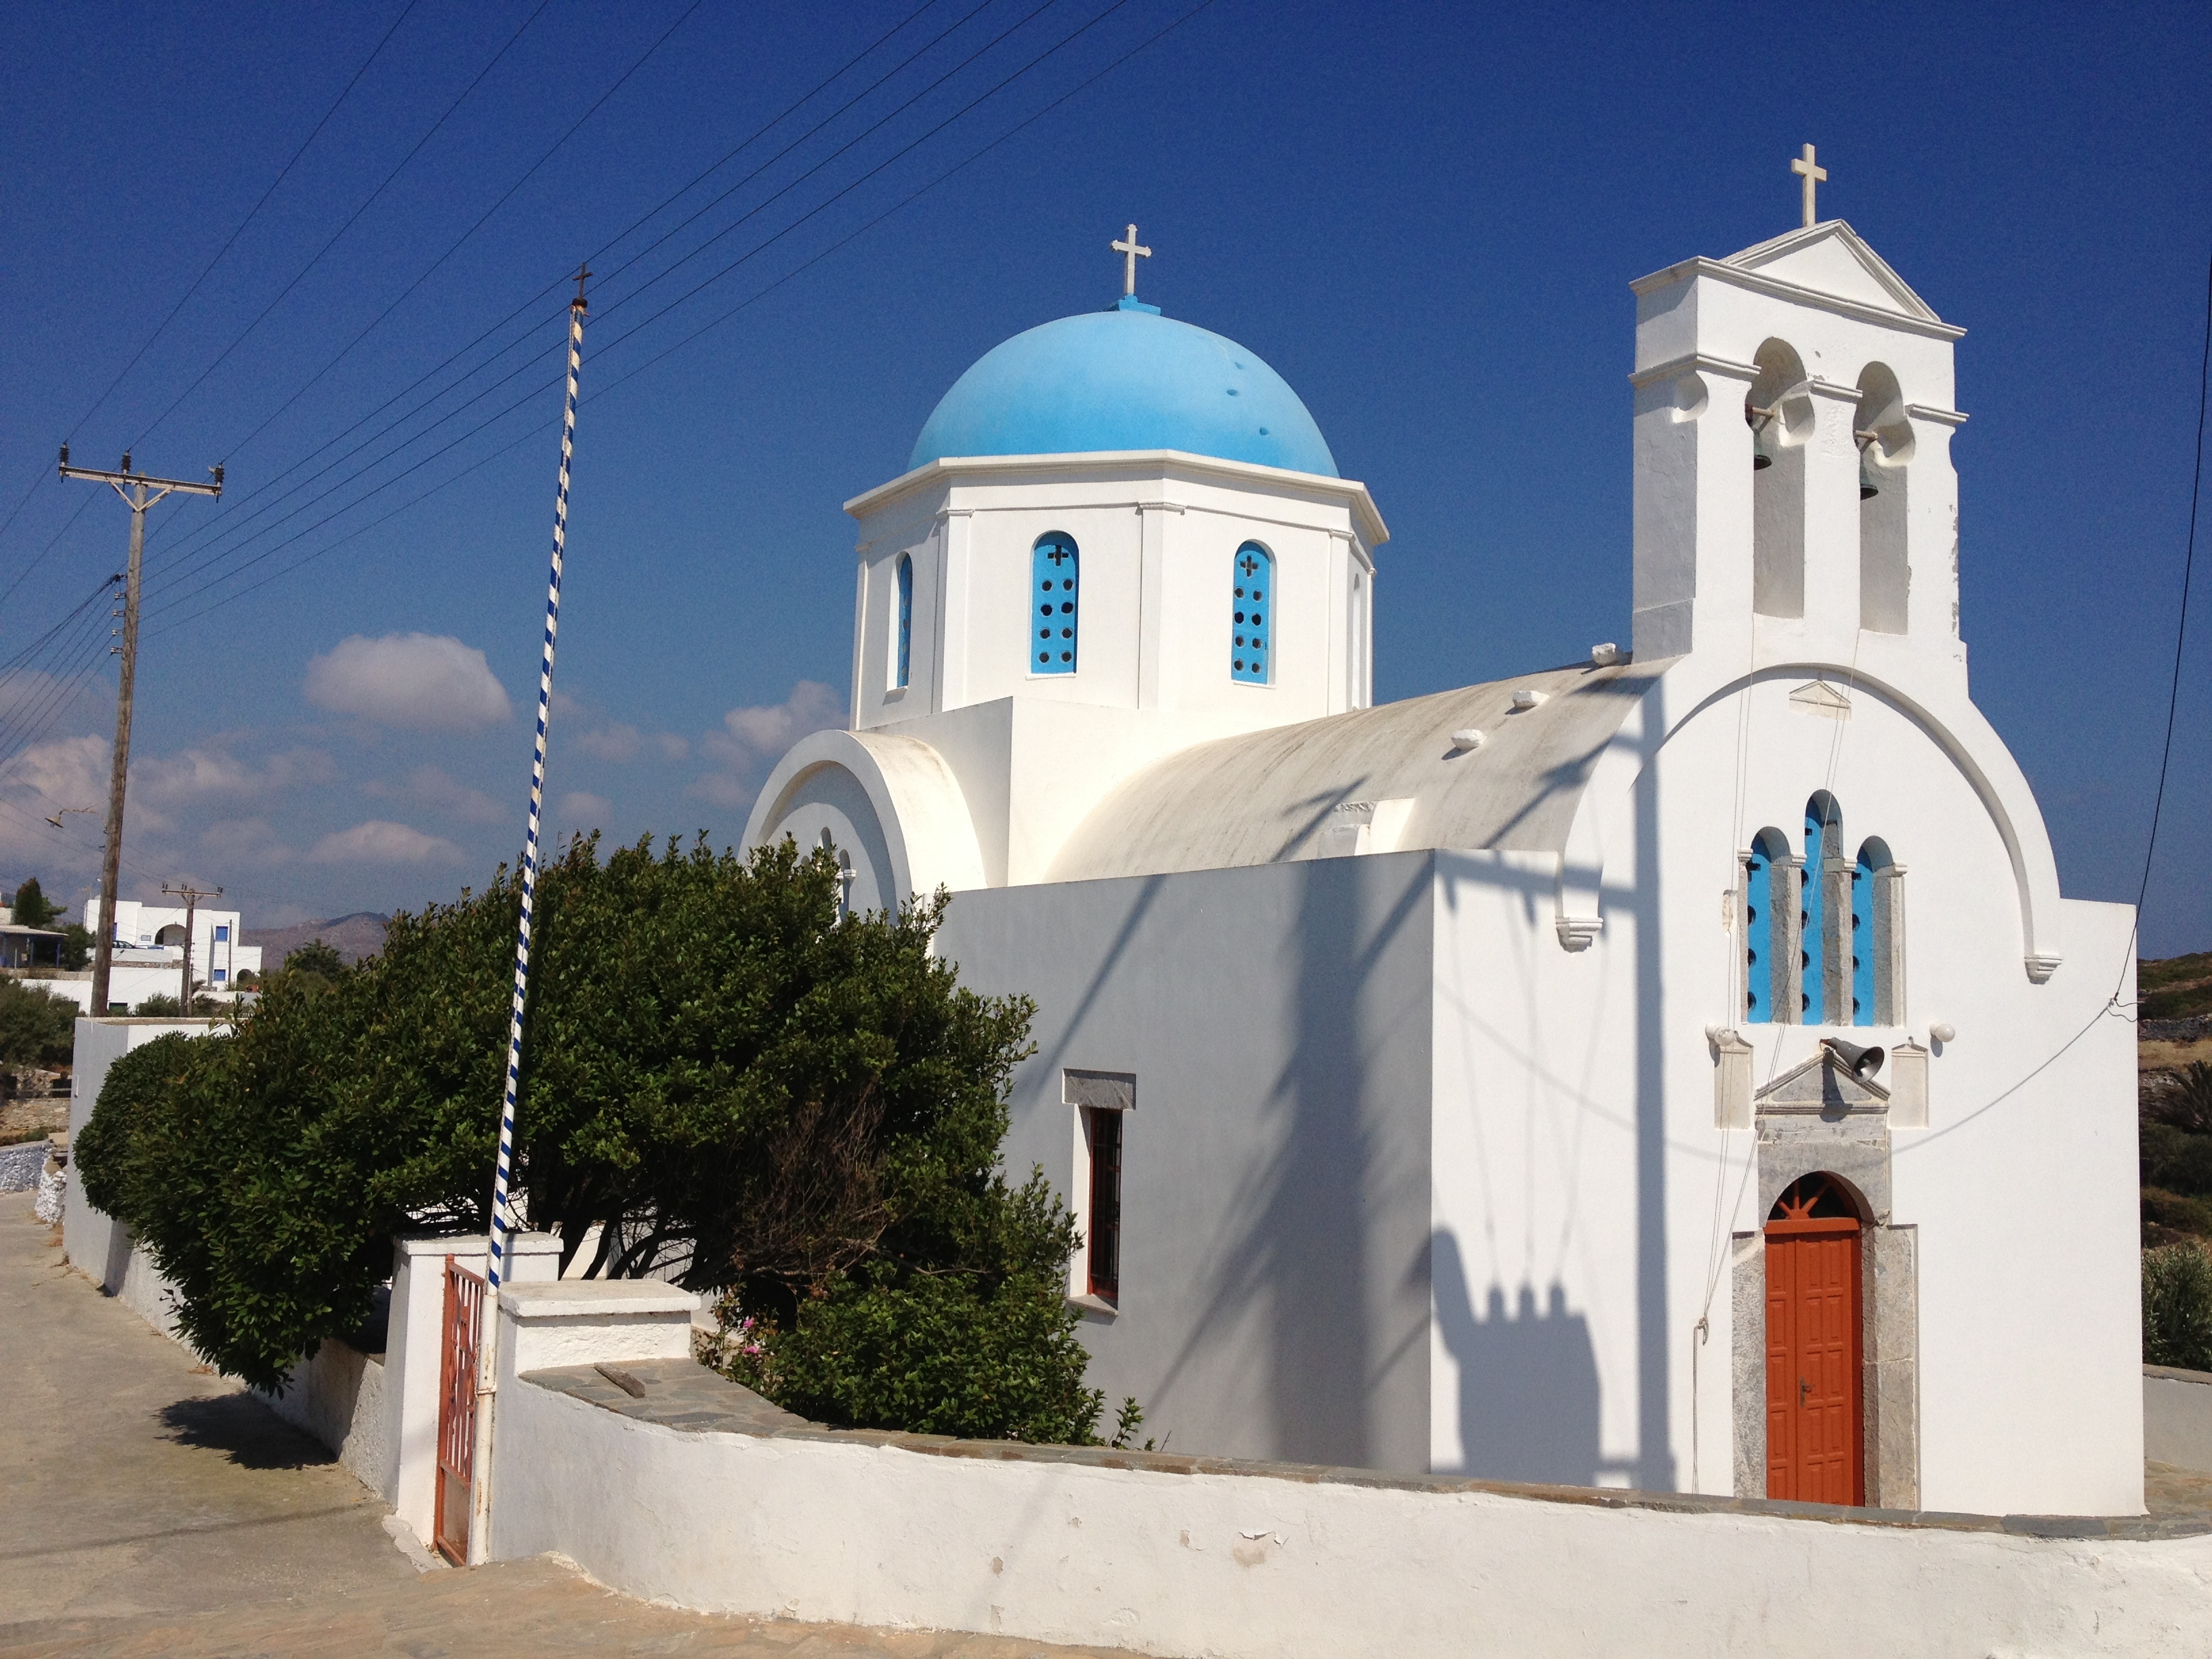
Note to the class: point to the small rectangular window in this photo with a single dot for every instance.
(221, 932)
(1101, 1131)
(221, 975)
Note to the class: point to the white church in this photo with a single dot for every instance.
(1675, 1069)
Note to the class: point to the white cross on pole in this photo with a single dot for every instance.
(1813, 174)
(1131, 252)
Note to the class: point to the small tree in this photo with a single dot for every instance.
(316, 958)
(77, 941)
(32, 908)
(36, 1027)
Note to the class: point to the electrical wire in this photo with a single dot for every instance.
(301, 276)
(2180, 636)
(528, 173)
(527, 396)
(211, 527)
(251, 214)
(175, 601)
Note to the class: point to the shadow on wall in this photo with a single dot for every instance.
(1527, 1379)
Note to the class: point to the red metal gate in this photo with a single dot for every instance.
(457, 1409)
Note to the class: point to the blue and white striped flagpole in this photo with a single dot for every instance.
(487, 1337)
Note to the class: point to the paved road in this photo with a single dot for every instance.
(148, 1507)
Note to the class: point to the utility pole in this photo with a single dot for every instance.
(191, 896)
(139, 492)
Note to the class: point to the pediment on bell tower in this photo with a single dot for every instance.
(1831, 258)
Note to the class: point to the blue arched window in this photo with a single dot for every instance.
(1874, 936)
(1055, 573)
(905, 660)
(1816, 921)
(1765, 983)
(1252, 615)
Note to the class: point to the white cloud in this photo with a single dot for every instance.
(380, 840)
(581, 810)
(195, 775)
(619, 743)
(418, 682)
(249, 838)
(439, 791)
(752, 739)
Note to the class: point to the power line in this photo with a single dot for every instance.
(529, 174)
(931, 132)
(172, 602)
(367, 202)
(211, 528)
(2181, 629)
(251, 214)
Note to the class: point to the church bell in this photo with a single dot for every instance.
(1761, 422)
(1869, 487)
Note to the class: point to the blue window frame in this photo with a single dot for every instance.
(905, 663)
(1252, 615)
(1056, 575)
(221, 975)
(221, 932)
(1759, 963)
(1815, 927)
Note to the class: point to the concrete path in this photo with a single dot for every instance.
(148, 1507)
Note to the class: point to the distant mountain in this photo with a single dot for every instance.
(360, 934)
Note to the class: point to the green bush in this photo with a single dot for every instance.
(966, 1333)
(37, 1027)
(722, 1078)
(2177, 1291)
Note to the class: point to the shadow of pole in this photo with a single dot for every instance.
(1655, 1456)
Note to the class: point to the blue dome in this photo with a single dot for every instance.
(1126, 379)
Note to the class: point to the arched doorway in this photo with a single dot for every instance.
(1815, 1420)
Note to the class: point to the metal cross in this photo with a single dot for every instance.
(1813, 174)
(1058, 555)
(1251, 564)
(1131, 252)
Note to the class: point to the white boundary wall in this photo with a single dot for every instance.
(1270, 1561)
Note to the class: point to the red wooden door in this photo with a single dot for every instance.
(456, 1410)
(1816, 1430)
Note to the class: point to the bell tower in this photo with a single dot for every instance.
(1795, 498)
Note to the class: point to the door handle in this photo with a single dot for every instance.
(1804, 1388)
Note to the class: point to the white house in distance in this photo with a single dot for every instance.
(150, 951)
(1474, 1083)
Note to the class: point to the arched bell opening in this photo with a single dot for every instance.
(1779, 411)
(1883, 432)
(1816, 1342)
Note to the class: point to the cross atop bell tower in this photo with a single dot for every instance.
(1814, 175)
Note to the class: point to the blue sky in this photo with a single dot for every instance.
(1424, 217)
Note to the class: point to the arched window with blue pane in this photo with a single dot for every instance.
(903, 664)
(1252, 615)
(1765, 978)
(1056, 597)
(1820, 949)
(1877, 936)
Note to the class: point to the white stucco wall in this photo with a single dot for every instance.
(1230, 1564)
(1274, 1187)
(1586, 1196)
(95, 1244)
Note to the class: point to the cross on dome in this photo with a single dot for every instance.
(1130, 252)
(1804, 166)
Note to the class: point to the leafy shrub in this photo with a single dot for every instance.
(722, 1080)
(2177, 1291)
(32, 907)
(37, 1027)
